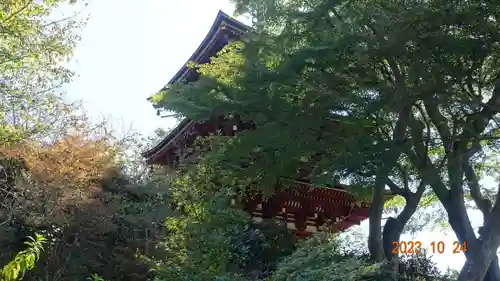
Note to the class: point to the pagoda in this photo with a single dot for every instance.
(297, 202)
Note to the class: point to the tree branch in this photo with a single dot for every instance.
(455, 206)
(476, 123)
(398, 190)
(412, 202)
(17, 12)
(439, 122)
(496, 212)
(482, 204)
(405, 176)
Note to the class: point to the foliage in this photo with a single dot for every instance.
(95, 277)
(334, 259)
(79, 160)
(212, 240)
(72, 190)
(397, 93)
(322, 260)
(24, 260)
(62, 174)
(377, 93)
(36, 42)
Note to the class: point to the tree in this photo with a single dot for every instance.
(330, 142)
(96, 216)
(392, 93)
(62, 174)
(36, 43)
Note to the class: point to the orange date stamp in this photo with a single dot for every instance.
(434, 247)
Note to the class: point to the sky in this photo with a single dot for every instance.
(130, 50)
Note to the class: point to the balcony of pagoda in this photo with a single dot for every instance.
(303, 207)
(307, 209)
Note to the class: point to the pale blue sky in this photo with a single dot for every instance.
(131, 49)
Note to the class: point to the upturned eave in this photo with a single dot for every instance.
(223, 23)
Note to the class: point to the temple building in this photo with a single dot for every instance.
(301, 205)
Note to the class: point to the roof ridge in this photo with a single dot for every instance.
(222, 22)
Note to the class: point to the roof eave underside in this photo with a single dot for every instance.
(166, 140)
(210, 39)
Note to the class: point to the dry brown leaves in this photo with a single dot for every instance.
(71, 161)
(64, 175)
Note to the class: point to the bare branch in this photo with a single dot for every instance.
(439, 122)
(405, 176)
(478, 122)
(398, 190)
(475, 191)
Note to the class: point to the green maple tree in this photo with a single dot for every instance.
(399, 94)
(36, 41)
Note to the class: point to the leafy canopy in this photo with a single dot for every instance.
(395, 93)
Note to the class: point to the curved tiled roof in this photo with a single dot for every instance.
(223, 22)
(222, 26)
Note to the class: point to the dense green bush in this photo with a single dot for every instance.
(333, 259)
(213, 240)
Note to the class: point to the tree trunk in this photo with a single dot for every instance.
(393, 227)
(474, 255)
(392, 232)
(493, 273)
(481, 253)
(382, 175)
(479, 262)
(375, 221)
